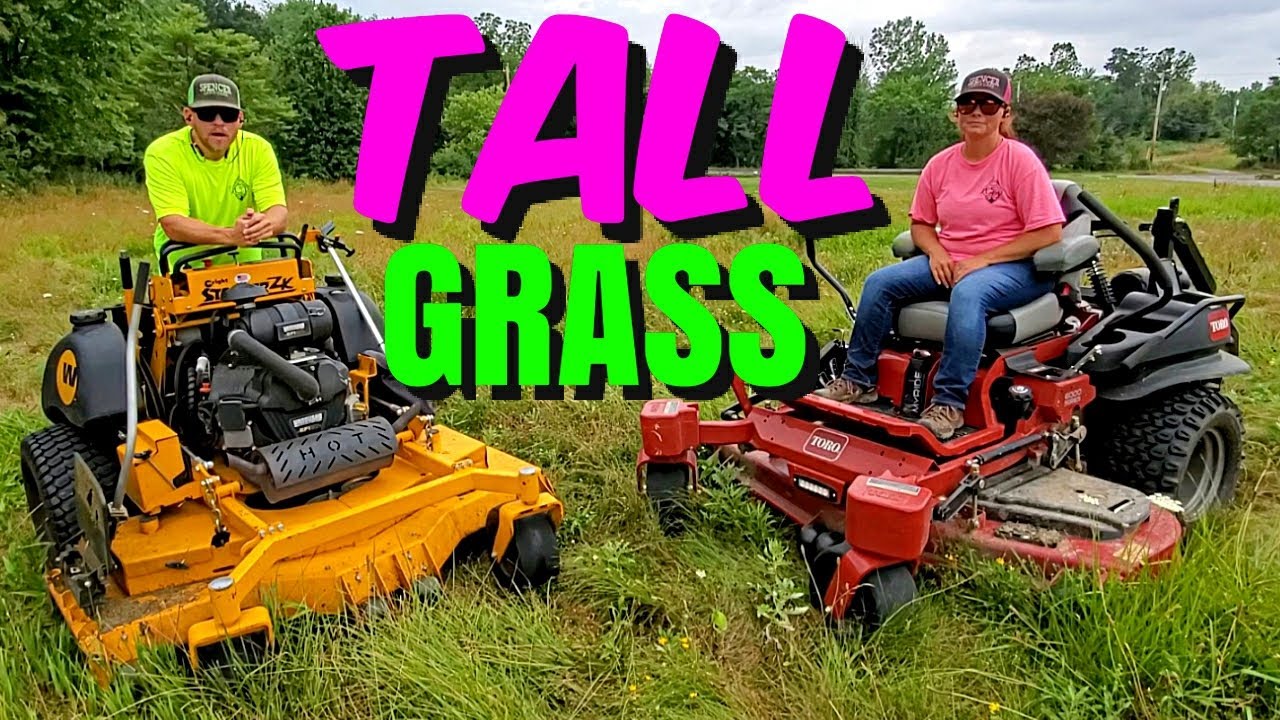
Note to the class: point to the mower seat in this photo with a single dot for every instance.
(1063, 261)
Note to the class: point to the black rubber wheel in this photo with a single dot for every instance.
(1187, 445)
(228, 658)
(667, 487)
(881, 594)
(533, 557)
(48, 477)
(821, 552)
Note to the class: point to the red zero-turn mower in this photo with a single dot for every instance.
(1138, 359)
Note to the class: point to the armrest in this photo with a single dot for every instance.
(904, 247)
(1067, 255)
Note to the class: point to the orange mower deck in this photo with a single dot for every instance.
(383, 536)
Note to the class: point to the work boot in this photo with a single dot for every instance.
(942, 420)
(844, 390)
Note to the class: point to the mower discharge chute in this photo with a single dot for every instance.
(232, 432)
(1136, 359)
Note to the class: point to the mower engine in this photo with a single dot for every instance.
(278, 404)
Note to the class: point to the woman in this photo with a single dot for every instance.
(982, 208)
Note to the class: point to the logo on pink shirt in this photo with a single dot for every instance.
(992, 191)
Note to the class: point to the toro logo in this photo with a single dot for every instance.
(1219, 324)
(825, 444)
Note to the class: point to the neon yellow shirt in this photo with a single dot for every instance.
(181, 181)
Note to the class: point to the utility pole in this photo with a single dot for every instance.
(1155, 126)
(1234, 110)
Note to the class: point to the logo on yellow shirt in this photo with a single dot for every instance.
(240, 189)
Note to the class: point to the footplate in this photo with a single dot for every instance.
(1066, 501)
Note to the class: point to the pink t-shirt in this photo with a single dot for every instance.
(986, 204)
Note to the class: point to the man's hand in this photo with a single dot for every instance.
(964, 267)
(256, 226)
(238, 234)
(943, 268)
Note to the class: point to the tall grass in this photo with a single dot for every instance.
(701, 625)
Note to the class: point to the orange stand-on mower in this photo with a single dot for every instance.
(230, 435)
(1137, 359)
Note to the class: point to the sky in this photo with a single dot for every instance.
(1235, 42)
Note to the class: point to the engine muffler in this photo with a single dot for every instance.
(323, 459)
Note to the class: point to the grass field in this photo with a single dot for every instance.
(1209, 155)
(710, 625)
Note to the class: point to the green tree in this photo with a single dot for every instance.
(182, 46)
(1190, 116)
(63, 77)
(741, 127)
(321, 137)
(1258, 126)
(848, 152)
(1126, 103)
(1063, 60)
(903, 119)
(904, 122)
(237, 15)
(1061, 73)
(906, 47)
(511, 39)
(1059, 125)
(464, 126)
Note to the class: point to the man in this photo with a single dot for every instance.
(211, 183)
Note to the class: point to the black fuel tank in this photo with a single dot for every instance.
(84, 377)
(351, 334)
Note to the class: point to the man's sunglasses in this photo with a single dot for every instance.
(989, 106)
(207, 114)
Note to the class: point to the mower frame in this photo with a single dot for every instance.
(174, 548)
(876, 495)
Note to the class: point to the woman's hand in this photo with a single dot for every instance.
(964, 267)
(942, 267)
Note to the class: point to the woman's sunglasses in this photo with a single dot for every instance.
(207, 114)
(989, 106)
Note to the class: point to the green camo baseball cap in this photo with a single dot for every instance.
(211, 90)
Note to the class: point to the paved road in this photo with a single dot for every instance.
(1217, 177)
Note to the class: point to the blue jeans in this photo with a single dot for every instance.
(992, 289)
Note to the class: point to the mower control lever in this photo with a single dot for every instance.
(1089, 357)
(324, 242)
(967, 490)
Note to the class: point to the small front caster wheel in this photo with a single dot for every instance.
(533, 557)
(882, 593)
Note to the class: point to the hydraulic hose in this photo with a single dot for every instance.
(251, 471)
(303, 384)
(402, 421)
